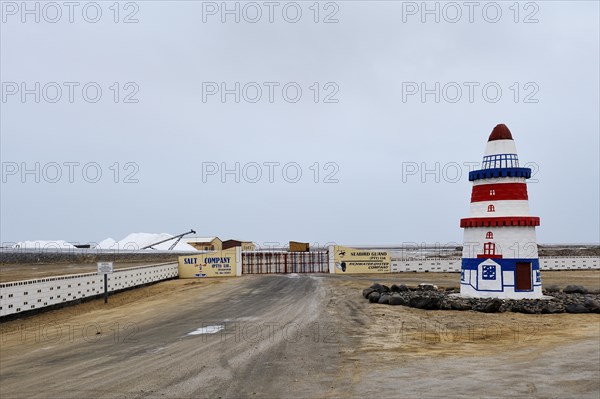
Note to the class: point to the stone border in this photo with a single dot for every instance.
(573, 299)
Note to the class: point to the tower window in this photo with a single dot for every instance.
(492, 192)
(500, 161)
(489, 235)
(489, 248)
(491, 208)
(488, 272)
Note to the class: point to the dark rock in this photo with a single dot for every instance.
(576, 308)
(376, 286)
(592, 305)
(374, 297)
(515, 306)
(367, 291)
(529, 309)
(492, 306)
(403, 288)
(446, 304)
(380, 288)
(417, 302)
(384, 299)
(552, 288)
(396, 299)
(422, 302)
(478, 306)
(394, 288)
(575, 289)
(525, 306)
(461, 304)
(427, 287)
(552, 307)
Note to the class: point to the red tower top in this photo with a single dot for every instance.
(500, 132)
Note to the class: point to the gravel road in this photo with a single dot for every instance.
(293, 336)
(275, 338)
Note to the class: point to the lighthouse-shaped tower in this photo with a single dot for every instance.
(500, 256)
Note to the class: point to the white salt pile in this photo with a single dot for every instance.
(108, 243)
(136, 241)
(132, 242)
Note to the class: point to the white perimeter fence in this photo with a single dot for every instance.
(453, 264)
(21, 296)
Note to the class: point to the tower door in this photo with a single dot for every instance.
(523, 277)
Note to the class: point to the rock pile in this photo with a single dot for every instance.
(572, 299)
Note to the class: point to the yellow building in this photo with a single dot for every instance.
(205, 243)
(211, 264)
(296, 246)
(246, 245)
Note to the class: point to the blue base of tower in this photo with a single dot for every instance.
(501, 278)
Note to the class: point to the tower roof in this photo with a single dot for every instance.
(500, 132)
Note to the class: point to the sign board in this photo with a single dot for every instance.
(352, 260)
(299, 246)
(105, 267)
(227, 263)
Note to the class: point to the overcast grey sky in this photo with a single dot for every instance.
(360, 121)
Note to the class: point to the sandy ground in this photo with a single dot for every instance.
(469, 354)
(297, 336)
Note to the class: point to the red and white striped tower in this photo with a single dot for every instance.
(500, 256)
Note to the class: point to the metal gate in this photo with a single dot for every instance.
(261, 262)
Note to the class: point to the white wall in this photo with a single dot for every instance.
(20, 296)
(500, 147)
(511, 241)
(501, 208)
(569, 263)
(453, 264)
(499, 180)
(426, 265)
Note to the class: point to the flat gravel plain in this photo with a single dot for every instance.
(275, 336)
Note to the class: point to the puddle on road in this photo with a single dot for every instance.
(207, 330)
